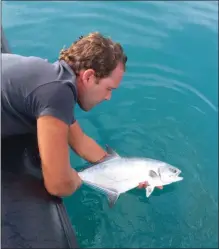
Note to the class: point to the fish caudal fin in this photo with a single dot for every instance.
(149, 190)
(112, 198)
(112, 195)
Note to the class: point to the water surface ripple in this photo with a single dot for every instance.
(166, 108)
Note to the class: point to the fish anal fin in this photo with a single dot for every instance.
(149, 189)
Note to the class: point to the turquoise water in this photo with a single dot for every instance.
(166, 108)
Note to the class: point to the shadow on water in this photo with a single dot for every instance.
(89, 211)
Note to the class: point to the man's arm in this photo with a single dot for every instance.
(59, 178)
(84, 145)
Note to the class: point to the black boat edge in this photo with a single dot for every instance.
(30, 216)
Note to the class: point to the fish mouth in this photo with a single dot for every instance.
(178, 178)
(178, 172)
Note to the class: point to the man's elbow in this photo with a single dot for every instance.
(61, 188)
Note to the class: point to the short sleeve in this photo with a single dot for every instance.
(54, 99)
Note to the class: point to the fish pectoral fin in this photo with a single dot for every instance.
(152, 173)
(149, 189)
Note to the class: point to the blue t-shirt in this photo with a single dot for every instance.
(32, 87)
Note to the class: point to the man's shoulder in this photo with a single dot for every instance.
(14, 56)
(22, 59)
(28, 73)
(58, 70)
(18, 67)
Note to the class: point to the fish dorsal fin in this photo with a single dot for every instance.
(111, 151)
(149, 190)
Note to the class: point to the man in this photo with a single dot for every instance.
(38, 97)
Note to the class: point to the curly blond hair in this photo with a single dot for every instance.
(96, 52)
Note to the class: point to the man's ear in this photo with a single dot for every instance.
(88, 76)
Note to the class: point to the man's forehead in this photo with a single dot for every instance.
(117, 75)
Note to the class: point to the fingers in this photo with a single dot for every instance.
(142, 185)
(145, 184)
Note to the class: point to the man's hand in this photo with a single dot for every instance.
(84, 145)
(59, 178)
(145, 184)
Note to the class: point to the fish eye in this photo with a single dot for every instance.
(173, 170)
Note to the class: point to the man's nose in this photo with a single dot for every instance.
(108, 96)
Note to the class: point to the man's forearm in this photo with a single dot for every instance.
(89, 150)
(84, 145)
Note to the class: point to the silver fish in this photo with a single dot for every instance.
(116, 175)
